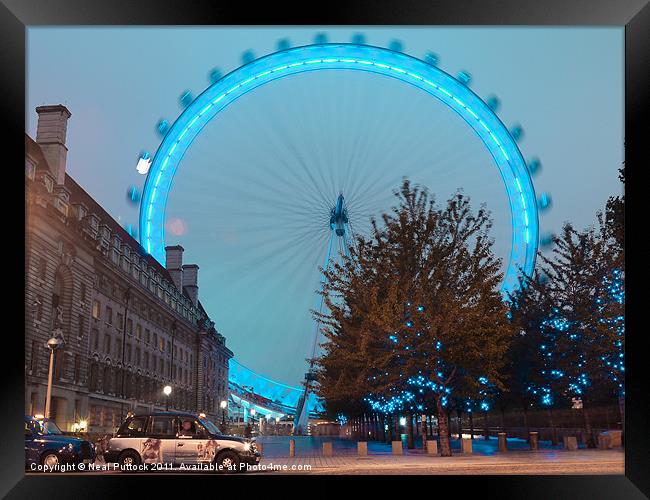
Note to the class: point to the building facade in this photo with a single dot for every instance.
(129, 325)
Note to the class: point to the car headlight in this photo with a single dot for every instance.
(70, 446)
(247, 447)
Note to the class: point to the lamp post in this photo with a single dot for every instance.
(54, 343)
(224, 405)
(167, 390)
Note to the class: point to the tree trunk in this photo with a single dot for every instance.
(409, 429)
(526, 426)
(448, 413)
(443, 430)
(621, 409)
(503, 420)
(389, 433)
(425, 434)
(551, 422)
(471, 425)
(589, 438)
(486, 426)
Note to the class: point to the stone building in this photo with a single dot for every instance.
(130, 325)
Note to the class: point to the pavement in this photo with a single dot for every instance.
(485, 459)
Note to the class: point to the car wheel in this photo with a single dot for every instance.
(228, 462)
(50, 458)
(128, 458)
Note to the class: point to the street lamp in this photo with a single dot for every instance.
(167, 390)
(54, 343)
(223, 405)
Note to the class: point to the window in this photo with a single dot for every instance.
(128, 353)
(96, 309)
(38, 308)
(137, 355)
(134, 427)
(120, 321)
(35, 352)
(162, 426)
(146, 360)
(82, 326)
(155, 339)
(162, 344)
(42, 268)
(77, 368)
(109, 315)
(82, 292)
(129, 326)
(118, 348)
(147, 335)
(138, 332)
(107, 343)
(95, 339)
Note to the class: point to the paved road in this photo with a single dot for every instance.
(485, 459)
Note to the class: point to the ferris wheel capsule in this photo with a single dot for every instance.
(517, 132)
(544, 202)
(396, 45)
(133, 195)
(464, 77)
(534, 166)
(185, 99)
(546, 240)
(359, 39)
(283, 44)
(247, 56)
(162, 127)
(320, 38)
(432, 59)
(215, 75)
(493, 103)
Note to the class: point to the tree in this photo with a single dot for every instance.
(416, 310)
(585, 323)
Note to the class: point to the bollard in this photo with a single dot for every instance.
(503, 444)
(604, 442)
(362, 448)
(432, 447)
(466, 445)
(327, 449)
(570, 443)
(615, 438)
(397, 448)
(534, 440)
(292, 447)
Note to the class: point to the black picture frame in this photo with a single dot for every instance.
(17, 15)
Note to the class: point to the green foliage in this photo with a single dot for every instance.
(419, 298)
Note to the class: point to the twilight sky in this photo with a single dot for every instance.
(250, 200)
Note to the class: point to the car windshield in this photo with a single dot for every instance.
(48, 427)
(210, 426)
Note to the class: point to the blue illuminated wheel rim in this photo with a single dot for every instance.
(471, 108)
(342, 56)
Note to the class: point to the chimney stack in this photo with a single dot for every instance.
(174, 264)
(50, 136)
(191, 281)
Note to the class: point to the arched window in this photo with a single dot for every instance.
(93, 380)
(108, 383)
